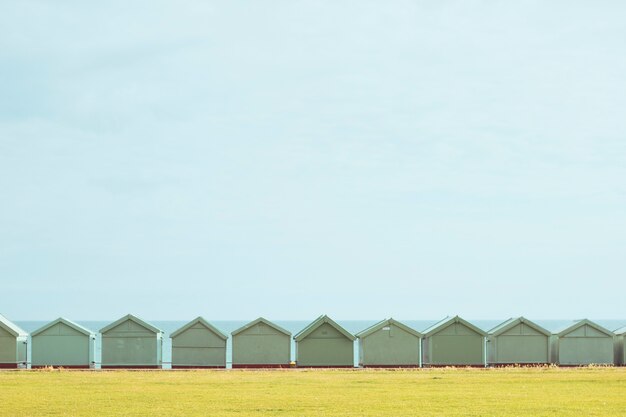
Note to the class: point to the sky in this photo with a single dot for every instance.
(286, 159)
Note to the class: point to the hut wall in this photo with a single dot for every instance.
(325, 346)
(585, 346)
(261, 345)
(456, 345)
(61, 345)
(198, 346)
(130, 344)
(520, 344)
(390, 345)
(8, 348)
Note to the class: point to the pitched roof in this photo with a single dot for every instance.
(11, 327)
(581, 323)
(137, 320)
(435, 328)
(512, 322)
(317, 323)
(257, 321)
(68, 323)
(204, 323)
(620, 331)
(387, 322)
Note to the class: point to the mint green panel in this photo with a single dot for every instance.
(61, 329)
(60, 349)
(123, 351)
(456, 349)
(390, 345)
(325, 346)
(456, 344)
(129, 344)
(261, 345)
(520, 348)
(522, 329)
(129, 328)
(198, 346)
(8, 347)
(457, 329)
(585, 350)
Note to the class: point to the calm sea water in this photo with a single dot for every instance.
(294, 326)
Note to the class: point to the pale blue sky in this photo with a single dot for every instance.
(362, 159)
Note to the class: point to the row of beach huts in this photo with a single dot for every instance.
(133, 343)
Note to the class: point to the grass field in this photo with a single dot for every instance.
(426, 392)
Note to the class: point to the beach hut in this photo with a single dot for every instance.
(62, 343)
(13, 342)
(131, 343)
(518, 341)
(389, 343)
(453, 342)
(198, 344)
(261, 344)
(620, 350)
(324, 343)
(584, 343)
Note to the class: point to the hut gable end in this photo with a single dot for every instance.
(198, 333)
(585, 331)
(11, 328)
(130, 325)
(261, 327)
(519, 327)
(5, 333)
(62, 327)
(324, 327)
(325, 331)
(389, 328)
(523, 329)
(59, 329)
(585, 328)
(456, 329)
(454, 326)
(199, 325)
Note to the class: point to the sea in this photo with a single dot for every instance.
(294, 326)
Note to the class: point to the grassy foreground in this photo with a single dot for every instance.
(426, 392)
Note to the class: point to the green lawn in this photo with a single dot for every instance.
(425, 392)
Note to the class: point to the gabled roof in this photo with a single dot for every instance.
(376, 327)
(68, 323)
(435, 328)
(11, 327)
(620, 331)
(132, 318)
(581, 323)
(204, 323)
(317, 323)
(512, 322)
(257, 321)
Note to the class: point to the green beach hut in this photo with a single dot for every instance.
(261, 344)
(585, 343)
(453, 342)
(198, 344)
(62, 343)
(324, 343)
(13, 346)
(518, 341)
(131, 343)
(388, 344)
(620, 350)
